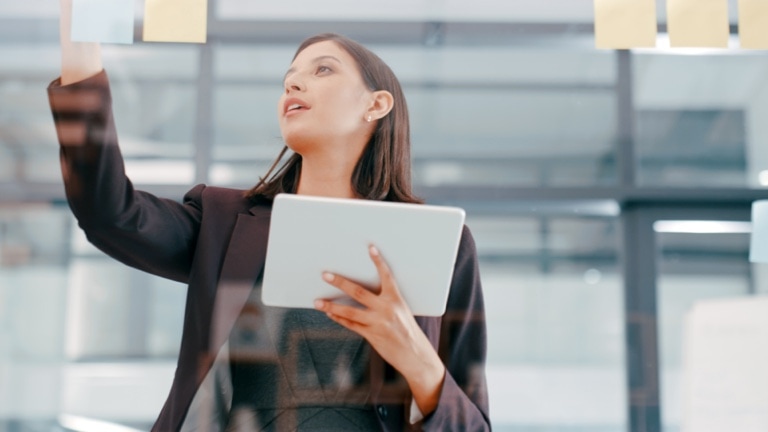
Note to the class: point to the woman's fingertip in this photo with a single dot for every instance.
(374, 251)
(328, 277)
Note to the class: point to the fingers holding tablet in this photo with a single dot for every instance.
(366, 295)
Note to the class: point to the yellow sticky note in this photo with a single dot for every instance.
(624, 24)
(698, 23)
(753, 24)
(176, 21)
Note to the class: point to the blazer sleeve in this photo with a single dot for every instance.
(463, 403)
(150, 233)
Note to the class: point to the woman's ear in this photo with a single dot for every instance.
(381, 104)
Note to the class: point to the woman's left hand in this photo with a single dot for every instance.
(386, 322)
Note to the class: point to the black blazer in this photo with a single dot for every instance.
(215, 241)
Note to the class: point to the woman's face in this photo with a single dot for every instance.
(324, 102)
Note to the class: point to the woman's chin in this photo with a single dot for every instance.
(298, 143)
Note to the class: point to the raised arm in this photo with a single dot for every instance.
(79, 60)
(153, 234)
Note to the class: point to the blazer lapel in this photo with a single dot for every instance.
(243, 264)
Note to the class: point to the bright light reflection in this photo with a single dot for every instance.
(592, 276)
(160, 171)
(702, 227)
(222, 174)
(763, 178)
(663, 46)
(84, 424)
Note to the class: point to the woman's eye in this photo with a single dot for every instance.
(323, 69)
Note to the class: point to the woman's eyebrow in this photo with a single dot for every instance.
(315, 61)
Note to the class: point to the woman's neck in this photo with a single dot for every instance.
(328, 178)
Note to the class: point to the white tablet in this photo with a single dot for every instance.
(310, 235)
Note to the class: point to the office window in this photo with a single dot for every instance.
(553, 301)
(700, 119)
(692, 267)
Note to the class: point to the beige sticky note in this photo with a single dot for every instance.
(624, 24)
(753, 24)
(698, 23)
(176, 20)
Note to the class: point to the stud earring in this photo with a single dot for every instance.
(369, 119)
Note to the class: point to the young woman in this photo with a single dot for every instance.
(344, 117)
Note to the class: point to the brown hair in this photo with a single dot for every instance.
(383, 172)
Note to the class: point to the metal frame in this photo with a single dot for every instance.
(639, 257)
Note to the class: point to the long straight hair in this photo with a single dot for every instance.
(383, 172)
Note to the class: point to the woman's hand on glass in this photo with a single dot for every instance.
(79, 60)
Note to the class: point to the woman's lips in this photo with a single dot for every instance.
(292, 106)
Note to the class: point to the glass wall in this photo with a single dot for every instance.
(562, 155)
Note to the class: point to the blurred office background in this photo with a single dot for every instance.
(580, 170)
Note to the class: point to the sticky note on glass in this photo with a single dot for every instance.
(176, 21)
(698, 23)
(624, 24)
(108, 21)
(753, 24)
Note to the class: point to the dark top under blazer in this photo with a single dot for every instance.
(215, 241)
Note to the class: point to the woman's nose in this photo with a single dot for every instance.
(293, 84)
